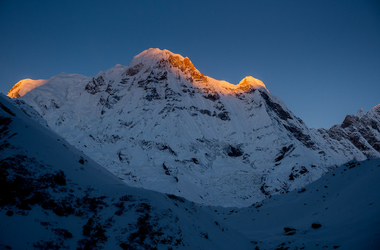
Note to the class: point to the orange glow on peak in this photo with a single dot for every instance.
(24, 86)
(251, 81)
(245, 85)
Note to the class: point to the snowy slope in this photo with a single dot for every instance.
(55, 197)
(160, 124)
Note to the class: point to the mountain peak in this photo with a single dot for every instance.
(153, 55)
(361, 113)
(250, 81)
(157, 58)
(161, 60)
(24, 86)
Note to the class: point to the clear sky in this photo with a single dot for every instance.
(321, 57)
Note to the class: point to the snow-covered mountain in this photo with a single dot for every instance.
(55, 197)
(162, 125)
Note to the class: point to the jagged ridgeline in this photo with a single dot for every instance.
(160, 124)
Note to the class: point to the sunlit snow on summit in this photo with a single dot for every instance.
(150, 58)
(24, 86)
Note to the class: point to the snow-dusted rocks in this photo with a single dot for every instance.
(161, 124)
(362, 130)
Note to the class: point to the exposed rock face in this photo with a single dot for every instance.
(187, 68)
(362, 130)
(161, 124)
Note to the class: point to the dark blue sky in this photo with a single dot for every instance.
(321, 57)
